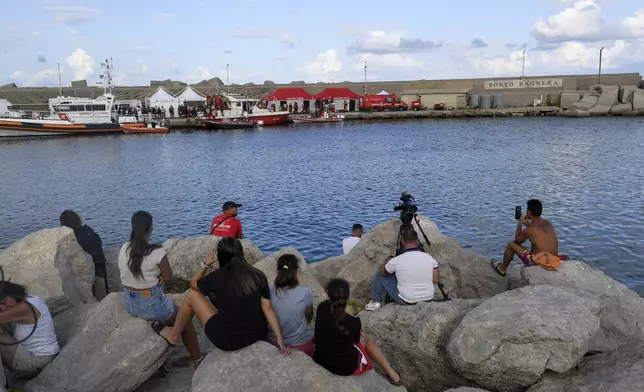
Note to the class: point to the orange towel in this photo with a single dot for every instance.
(547, 261)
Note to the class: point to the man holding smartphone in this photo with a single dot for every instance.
(541, 233)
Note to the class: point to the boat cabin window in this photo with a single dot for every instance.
(81, 108)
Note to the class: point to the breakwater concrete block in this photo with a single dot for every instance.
(599, 110)
(638, 100)
(609, 96)
(626, 94)
(568, 98)
(621, 108)
(575, 113)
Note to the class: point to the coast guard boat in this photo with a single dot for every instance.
(65, 115)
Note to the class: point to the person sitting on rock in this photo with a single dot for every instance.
(542, 236)
(144, 269)
(91, 244)
(408, 278)
(227, 224)
(340, 345)
(350, 242)
(293, 305)
(243, 304)
(28, 339)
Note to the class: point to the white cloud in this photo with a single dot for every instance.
(388, 61)
(139, 70)
(288, 41)
(45, 77)
(635, 24)
(81, 63)
(18, 75)
(326, 66)
(71, 14)
(381, 42)
(199, 74)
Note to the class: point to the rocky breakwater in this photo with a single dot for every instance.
(603, 100)
(572, 330)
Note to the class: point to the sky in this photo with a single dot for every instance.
(192, 40)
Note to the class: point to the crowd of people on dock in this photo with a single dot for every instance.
(236, 304)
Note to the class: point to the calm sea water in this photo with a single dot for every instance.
(306, 185)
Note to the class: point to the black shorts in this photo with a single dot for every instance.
(226, 341)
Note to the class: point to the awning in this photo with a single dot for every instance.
(336, 93)
(288, 94)
(383, 92)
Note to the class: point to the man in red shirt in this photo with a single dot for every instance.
(227, 224)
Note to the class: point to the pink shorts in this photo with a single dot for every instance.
(364, 362)
(307, 348)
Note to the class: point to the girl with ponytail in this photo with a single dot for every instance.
(340, 345)
(293, 305)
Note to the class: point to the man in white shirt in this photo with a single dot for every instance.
(408, 278)
(350, 242)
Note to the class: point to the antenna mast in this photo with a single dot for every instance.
(107, 76)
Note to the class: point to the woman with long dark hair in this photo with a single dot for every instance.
(91, 244)
(293, 305)
(144, 267)
(340, 345)
(242, 295)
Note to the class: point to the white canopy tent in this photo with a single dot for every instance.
(189, 94)
(163, 99)
(383, 92)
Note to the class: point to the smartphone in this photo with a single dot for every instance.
(517, 212)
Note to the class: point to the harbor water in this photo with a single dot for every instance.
(305, 186)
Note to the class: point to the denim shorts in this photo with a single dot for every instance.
(151, 304)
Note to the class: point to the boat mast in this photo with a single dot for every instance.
(107, 76)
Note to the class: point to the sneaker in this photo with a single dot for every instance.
(373, 306)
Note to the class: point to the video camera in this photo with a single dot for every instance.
(407, 208)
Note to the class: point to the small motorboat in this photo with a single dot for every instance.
(143, 128)
(228, 124)
(310, 119)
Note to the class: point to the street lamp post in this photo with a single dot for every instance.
(599, 75)
(228, 78)
(523, 65)
(365, 78)
(60, 84)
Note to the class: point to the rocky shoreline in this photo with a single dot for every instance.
(572, 330)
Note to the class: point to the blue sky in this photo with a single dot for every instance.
(195, 39)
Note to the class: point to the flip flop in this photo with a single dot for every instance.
(396, 384)
(496, 267)
(158, 327)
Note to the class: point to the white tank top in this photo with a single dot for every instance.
(43, 341)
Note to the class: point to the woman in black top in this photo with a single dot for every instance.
(243, 302)
(340, 345)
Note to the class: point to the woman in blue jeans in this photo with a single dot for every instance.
(143, 268)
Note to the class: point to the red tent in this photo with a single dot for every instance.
(336, 93)
(286, 94)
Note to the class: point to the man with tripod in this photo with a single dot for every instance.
(408, 278)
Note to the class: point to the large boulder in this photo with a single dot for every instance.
(609, 96)
(53, 266)
(375, 248)
(328, 269)
(621, 370)
(261, 368)
(110, 351)
(466, 389)
(622, 310)
(186, 255)
(112, 267)
(268, 266)
(414, 339)
(522, 333)
(463, 273)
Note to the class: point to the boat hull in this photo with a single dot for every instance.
(300, 120)
(228, 125)
(141, 129)
(268, 119)
(21, 128)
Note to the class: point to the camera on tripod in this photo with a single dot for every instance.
(407, 208)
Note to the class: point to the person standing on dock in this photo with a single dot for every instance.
(227, 224)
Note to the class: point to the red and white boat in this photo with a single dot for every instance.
(237, 107)
(143, 128)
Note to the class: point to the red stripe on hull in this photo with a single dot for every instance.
(277, 119)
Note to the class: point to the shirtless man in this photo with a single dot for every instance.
(539, 231)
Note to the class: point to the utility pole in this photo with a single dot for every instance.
(599, 75)
(365, 78)
(228, 78)
(60, 84)
(523, 65)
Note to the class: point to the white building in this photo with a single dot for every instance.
(163, 99)
(190, 95)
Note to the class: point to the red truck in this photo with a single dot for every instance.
(380, 103)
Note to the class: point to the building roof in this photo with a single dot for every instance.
(190, 94)
(160, 94)
(437, 91)
(336, 93)
(285, 94)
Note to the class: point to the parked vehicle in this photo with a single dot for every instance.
(381, 103)
(417, 104)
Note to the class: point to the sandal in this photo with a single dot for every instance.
(395, 383)
(195, 366)
(158, 327)
(496, 267)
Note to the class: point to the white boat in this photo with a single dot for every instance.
(238, 107)
(66, 115)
